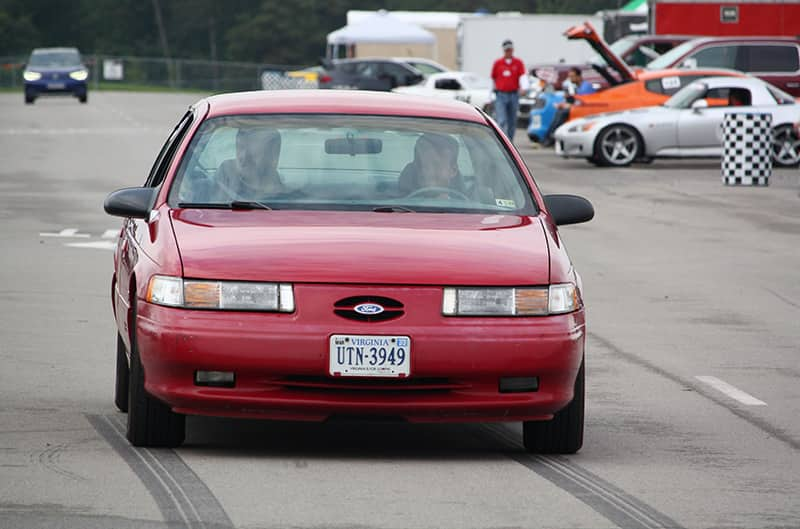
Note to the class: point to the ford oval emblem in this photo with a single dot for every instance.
(368, 308)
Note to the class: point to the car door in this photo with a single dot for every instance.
(129, 243)
(700, 129)
(778, 64)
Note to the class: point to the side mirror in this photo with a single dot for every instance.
(569, 209)
(130, 202)
(698, 105)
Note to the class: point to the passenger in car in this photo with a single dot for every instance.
(738, 97)
(435, 165)
(253, 174)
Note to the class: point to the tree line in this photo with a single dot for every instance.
(265, 31)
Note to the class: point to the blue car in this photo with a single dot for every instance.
(542, 114)
(55, 71)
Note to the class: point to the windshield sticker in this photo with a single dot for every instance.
(505, 203)
(668, 83)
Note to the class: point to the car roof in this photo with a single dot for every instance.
(735, 40)
(362, 102)
(58, 49)
(647, 75)
(745, 82)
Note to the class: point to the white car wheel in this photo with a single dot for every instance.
(617, 145)
(785, 146)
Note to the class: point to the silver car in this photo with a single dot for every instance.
(689, 124)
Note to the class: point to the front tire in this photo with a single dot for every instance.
(785, 146)
(150, 421)
(563, 434)
(123, 377)
(617, 145)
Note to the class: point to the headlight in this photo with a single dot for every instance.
(588, 125)
(525, 301)
(31, 76)
(79, 75)
(220, 295)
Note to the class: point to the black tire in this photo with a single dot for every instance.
(785, 147)
(29, 100)
(618, 145)
(123, 377)
(563, 434)
(84, 98)
(150, 421)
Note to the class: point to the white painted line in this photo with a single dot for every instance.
(69, 232)
(731, 391)
(100, 245)
(110, 234)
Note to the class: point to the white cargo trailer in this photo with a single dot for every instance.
(537, 39)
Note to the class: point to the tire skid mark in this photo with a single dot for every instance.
(50, 459)
(179, 493)
(703, 391)
(608, 500)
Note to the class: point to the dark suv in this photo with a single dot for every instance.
(776, 60)
(368, 74)
(55, 71)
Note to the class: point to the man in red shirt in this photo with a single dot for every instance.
(506, 73)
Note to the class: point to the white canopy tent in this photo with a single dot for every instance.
(379, 28)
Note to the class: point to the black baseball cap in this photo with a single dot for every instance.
(507, 44)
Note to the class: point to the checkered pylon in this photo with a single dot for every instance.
(747, 149)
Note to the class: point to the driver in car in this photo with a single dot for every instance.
(253, 174)
(434, 170)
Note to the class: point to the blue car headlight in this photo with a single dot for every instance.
(79, 75)
(31, 76)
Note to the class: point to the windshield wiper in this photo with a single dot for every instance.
(393, 209)
(204, 205)
(249, 204)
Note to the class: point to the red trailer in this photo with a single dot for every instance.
(726, 19)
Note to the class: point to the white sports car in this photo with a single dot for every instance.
(689, 124)
(463, 86)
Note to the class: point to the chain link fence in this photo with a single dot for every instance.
(108, 72)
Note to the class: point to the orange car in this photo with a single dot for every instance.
(649, 89)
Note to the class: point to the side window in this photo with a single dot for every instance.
(399, 75)
(771, 58)
(663, 47)
(159, 169)
(716, 57)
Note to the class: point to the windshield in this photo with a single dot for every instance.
(331, 162)
(424, 68)
(618, 48)
(669, 58)
(55, 59)
(687, 95)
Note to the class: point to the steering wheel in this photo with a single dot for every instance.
(438, 190)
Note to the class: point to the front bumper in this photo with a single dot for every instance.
(574, 144)
(61, 85)
(281, 361)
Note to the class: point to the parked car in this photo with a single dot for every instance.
(649, 88)
(462, 86)
(776, 60)
(635, 50)
(686, 125)
(55, 71)
(392, 257)
(381, 74)
(609, 70)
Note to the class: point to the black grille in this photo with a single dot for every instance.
(346, 308)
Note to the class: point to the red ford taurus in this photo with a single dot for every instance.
(316, 255)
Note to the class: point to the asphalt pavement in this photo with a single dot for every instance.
(693, 364)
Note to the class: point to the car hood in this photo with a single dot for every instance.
(55, 69)
(634, 114)
(362, 247)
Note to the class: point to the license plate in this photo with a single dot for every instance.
(536, 122)
(55, 86)
(370, 356)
